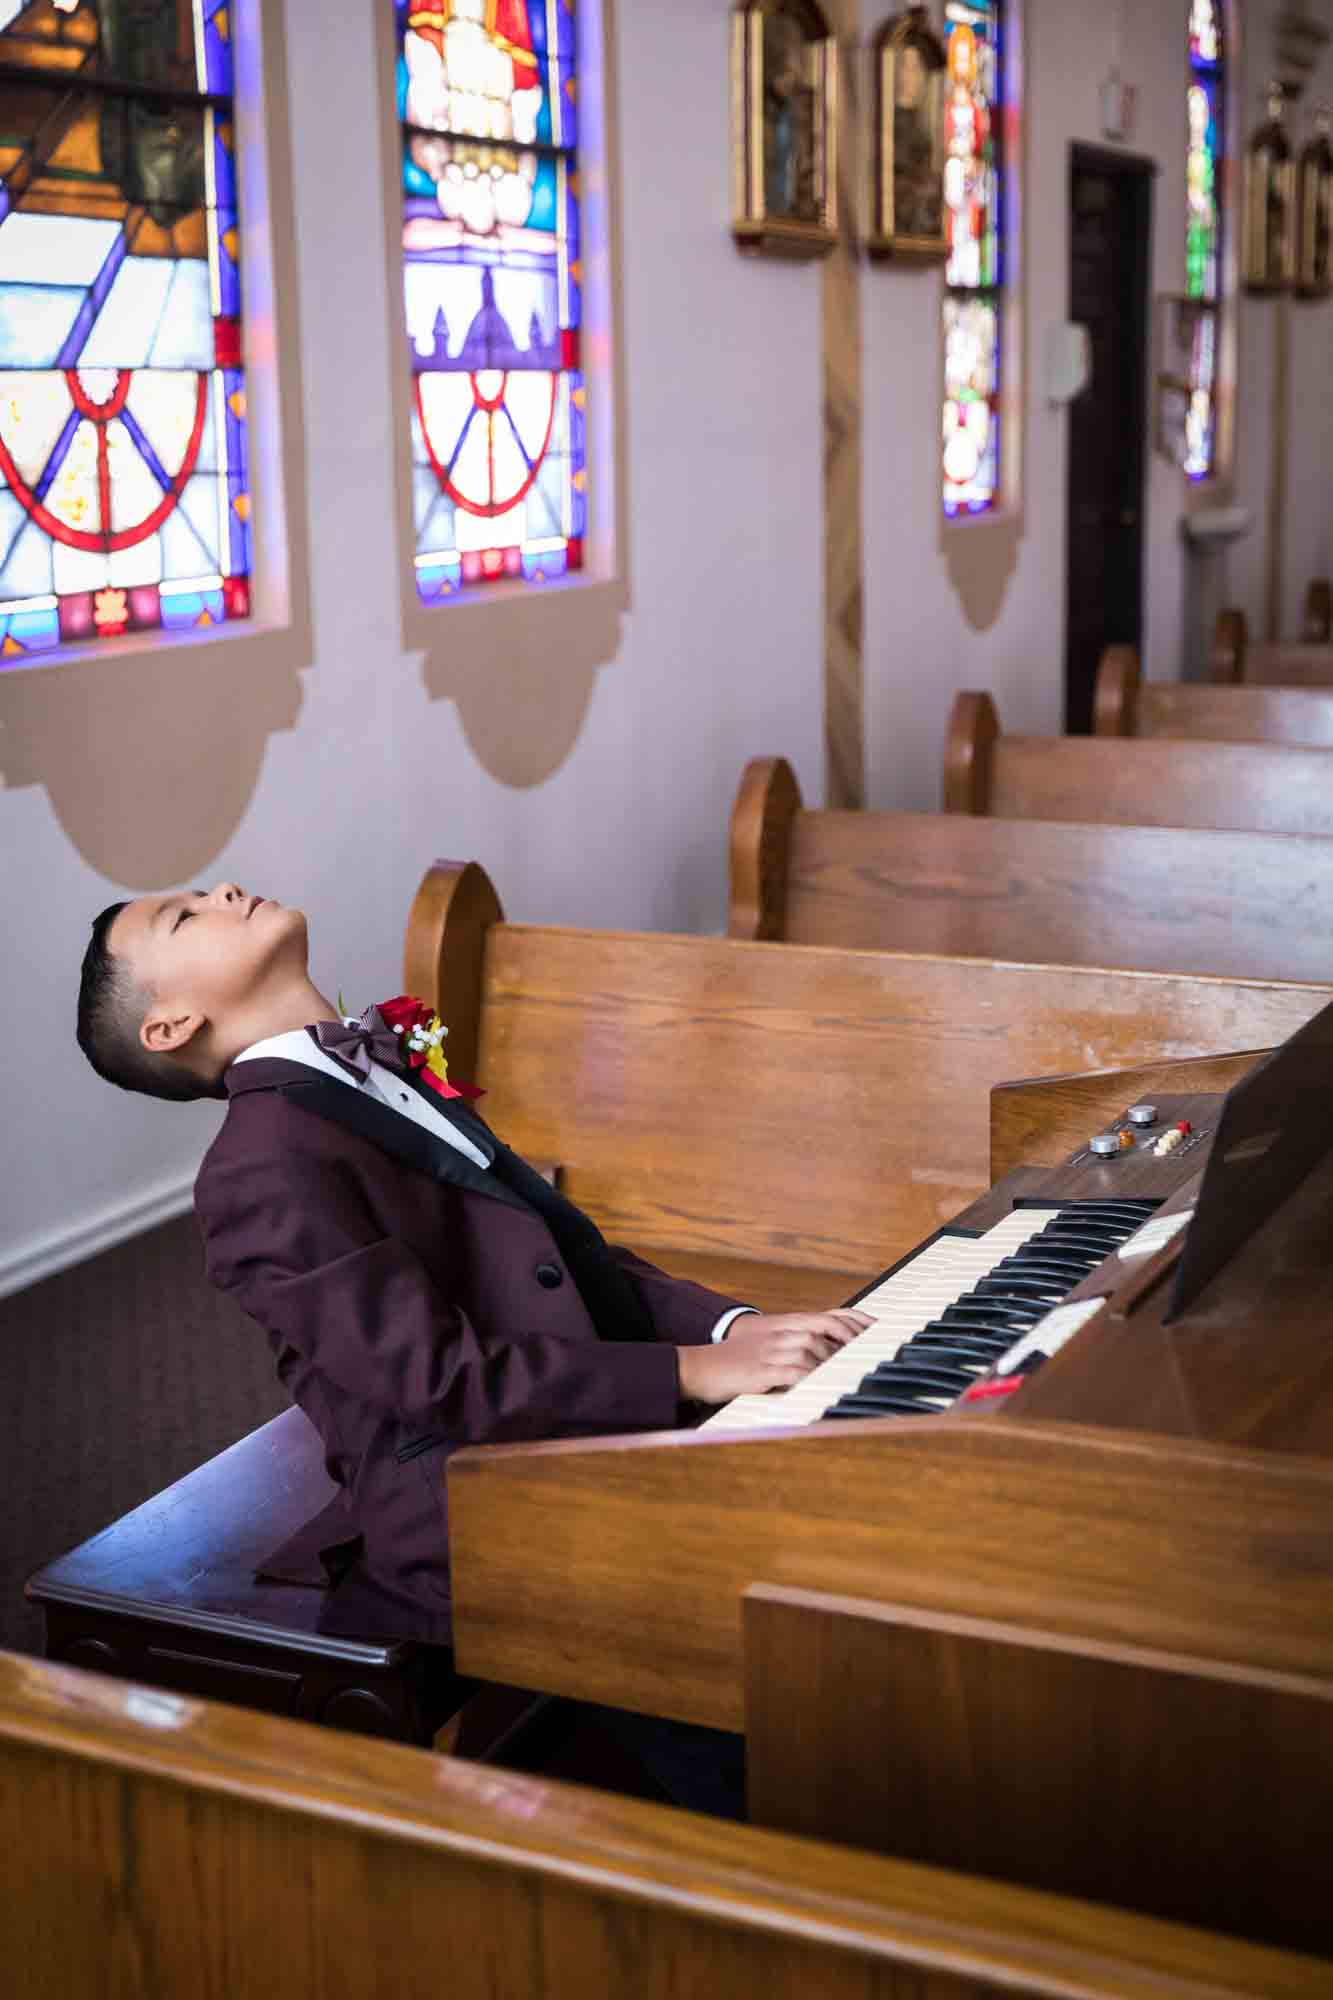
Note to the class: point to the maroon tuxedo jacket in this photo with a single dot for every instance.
(415, 1303)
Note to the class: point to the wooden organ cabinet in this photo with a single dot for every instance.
(1071, 1623)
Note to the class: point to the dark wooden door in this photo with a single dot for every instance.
(1110, 215)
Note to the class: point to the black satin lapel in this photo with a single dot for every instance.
(459, 1113)
(400, 1137)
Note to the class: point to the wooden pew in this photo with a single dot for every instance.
(1157, 899)
(781, 1124)
(1191, 1788)
(1154, 781)
(1125, 705)
(1306, 662)
(154, 1847)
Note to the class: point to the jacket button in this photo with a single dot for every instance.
(549, 1276)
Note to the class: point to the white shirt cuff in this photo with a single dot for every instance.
(723, 1327)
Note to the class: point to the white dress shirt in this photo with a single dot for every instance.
(298, 1046)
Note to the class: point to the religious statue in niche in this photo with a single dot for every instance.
(1314, 204)
(909, 122)
(785, 111)
(790, 185)
(1268, 255)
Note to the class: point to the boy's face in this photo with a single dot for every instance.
(208, 953)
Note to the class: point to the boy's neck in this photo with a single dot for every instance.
(296, 1006)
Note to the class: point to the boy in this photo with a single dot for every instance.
(422, 1287)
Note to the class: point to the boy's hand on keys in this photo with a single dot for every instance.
(765, 1351)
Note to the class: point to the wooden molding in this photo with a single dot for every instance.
(444, 951)
(767, 802)
(1115, 697)
(973, 728)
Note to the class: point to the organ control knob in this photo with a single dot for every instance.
(1104, 1142)
(1142, 1114)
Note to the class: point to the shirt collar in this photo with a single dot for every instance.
(298, 1045)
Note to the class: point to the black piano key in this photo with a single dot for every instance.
(1066, 1270)
(981, 1351)
(915, 1375)
(859, 1404)
(853, 1407)
(1016, 1285)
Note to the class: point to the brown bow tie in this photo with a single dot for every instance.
(368, 1040)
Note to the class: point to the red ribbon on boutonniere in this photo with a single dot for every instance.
(421, 1035)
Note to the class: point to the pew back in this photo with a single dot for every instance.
(917, 1738)
(1125, 705)
(1307, 661)
(818, 1109)
(1158, 899)
(1263, 787)
(152, 1846)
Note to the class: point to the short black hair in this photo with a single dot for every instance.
(112, 1006)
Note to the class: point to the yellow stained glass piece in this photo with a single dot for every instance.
(226, 135)
(580, 398)
(571, 90)
(242, 505)
(11, 646)
(222, 23)
(576, 270)
(230, 243)
(236, 404)
(580, 481)
(205, 617)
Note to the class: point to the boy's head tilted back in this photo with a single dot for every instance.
(174, 987)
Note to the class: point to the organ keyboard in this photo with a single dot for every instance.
(950, 1314)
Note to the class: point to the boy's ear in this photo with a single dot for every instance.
(165, 1032)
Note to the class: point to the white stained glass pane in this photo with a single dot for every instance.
(10, 11)
(510, 467)
(79, 569)
(27, 571)
(54, 249)
(185, 337)
(35, 323)
(163, 404)
(135, 492)
(142, 563)
(124, 330)
(471, 473)
(529, 401)
(73, 494)
(190, 532)
(503, 532)
(446, 401)
(425, 492)
(437, 533)
(34, 409)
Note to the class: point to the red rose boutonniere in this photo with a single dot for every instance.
(422, 1034)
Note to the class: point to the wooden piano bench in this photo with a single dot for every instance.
(168, 1596)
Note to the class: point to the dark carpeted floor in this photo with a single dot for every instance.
(117, 1377)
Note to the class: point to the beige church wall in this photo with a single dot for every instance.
(920, 645)
(719, 644)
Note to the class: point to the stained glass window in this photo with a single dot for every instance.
(973, 273)
(1203, 226)
(492, 284)
(124, 495)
